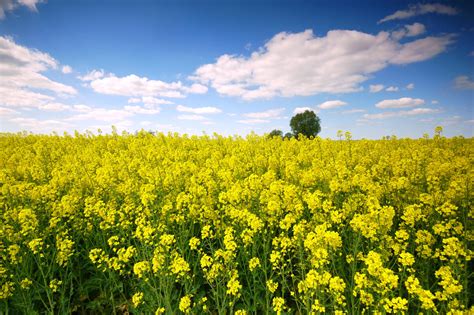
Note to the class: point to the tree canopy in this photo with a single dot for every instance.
(306, 123)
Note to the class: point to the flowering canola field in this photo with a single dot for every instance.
(152, 224)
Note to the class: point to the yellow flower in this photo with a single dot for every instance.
(36, 245)
(185, 304)
(26, 283)
(254, 263)
(179, 266)
(65, 249)
(278, 304)
(14, 251)
(54, 285)
(141, 268)
(233, 286)
(194, 243)
(137, 299)
(6, 290)
(406, 259)
(272, 286)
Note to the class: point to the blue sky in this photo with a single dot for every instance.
(374, 68)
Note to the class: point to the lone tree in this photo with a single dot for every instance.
(306, 123)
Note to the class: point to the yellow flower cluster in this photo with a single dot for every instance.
(157, 224)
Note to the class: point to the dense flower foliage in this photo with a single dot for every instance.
(167, 224)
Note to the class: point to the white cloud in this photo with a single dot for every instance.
(303, 64)
(298, 110)
(420, 9)
(164, 127)
(408, 30)
(7, 111)
(463, 82)
(198, 110)
(54, 107)
(191, 117)
(331, 104)
(415, 29)
(92, 75)
(142, 110)
(400, 103)
(66, 69)
(135, 87)
(101, 114)
(23, 84)
(353, 111)
(81, 108)
(412, 112)
(410, 86)
(148, 101)
(11, 96)
(253, 121)
(374, 88)
(267, 114)
(422, 49)
(146, 123)
(196, 89)
(10, 5)
(392, 89)
(450, 121)
(33, 124)
(134, 100)
(434, 102)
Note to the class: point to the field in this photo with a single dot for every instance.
(152, 224)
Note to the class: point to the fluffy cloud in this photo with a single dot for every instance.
(304, 64)
(101, 114)
(192, 117)
(374, 88)
(66, 69)
(400, 103)
(10, 5)
(415, 29)
(268, 114)
(196, 89)
(148, 101)
(92, 75)
(198, 110)
(392, 89)
(253, 121)
(410, 86)
(463, 82)
(7, 111)
(422, 49)
(413, 112)
(54, 107)
(420, 9)
(23, 84)
(353, 111)
(331, 104)
(33, 124)
(135, 86)
(412, 30)
(142, 110)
